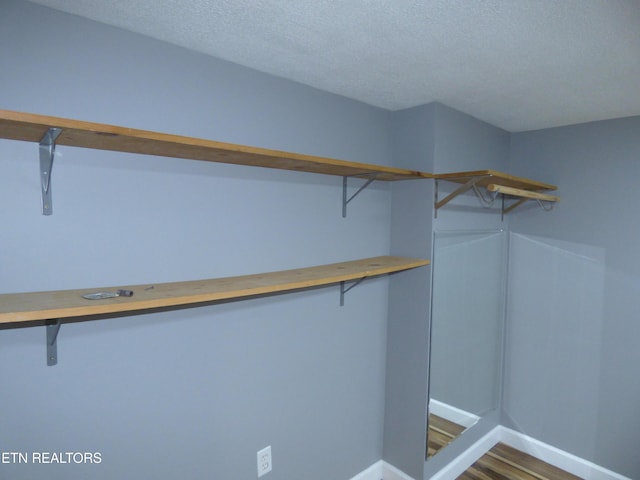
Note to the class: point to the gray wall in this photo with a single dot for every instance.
(436, 138)
(190, 393)
(467, 319)
(196, 392)
(463, 143)
(405, 419)
(573, 332)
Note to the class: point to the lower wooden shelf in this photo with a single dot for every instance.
(61, 304)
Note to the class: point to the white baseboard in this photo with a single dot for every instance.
(566, 461)
(389, 472)
(456, 468)
(453, 414)
(382, 470)
(580, 467)
(374, 472)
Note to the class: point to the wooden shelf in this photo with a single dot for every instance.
(54, 306)
(519, 192)
(33, 128)
(487, 177)
(26, 307)
(501, 183)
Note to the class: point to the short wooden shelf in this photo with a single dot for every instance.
(26, 307)
(519, 192)
(33, 128)
(487, 177)
(520, 188)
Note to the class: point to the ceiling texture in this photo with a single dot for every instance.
(517, 64)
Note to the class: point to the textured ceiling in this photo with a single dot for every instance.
(518, 64)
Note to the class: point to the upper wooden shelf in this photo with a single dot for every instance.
(522, 189)
(32, 128)
(26, 307)
(487, 177)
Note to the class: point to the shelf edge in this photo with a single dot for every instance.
(76, 133)
(147, 297)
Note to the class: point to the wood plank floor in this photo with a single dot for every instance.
(500, 463)
(441, 433)
(505, 463)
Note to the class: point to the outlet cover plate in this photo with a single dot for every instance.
(264, 461)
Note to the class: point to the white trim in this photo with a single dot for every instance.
(374, 472)
(389, 472)
(559, 458)
(463, 461)
(566, 461)
(382, 470)
(453, 414)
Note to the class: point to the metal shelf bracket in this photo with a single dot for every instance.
(545, 200)
(47, 152)
(458, 191)
(344, 289)
(546, 206)
(487, 195)
(370, 178)
(53, 328)
(485, 200)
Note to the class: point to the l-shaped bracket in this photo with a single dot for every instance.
(344, 289)
(47, 152)
(458, 191)
(53, 328)
(492, 191)
(370, 178)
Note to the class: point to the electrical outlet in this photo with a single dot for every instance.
(264, 461)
